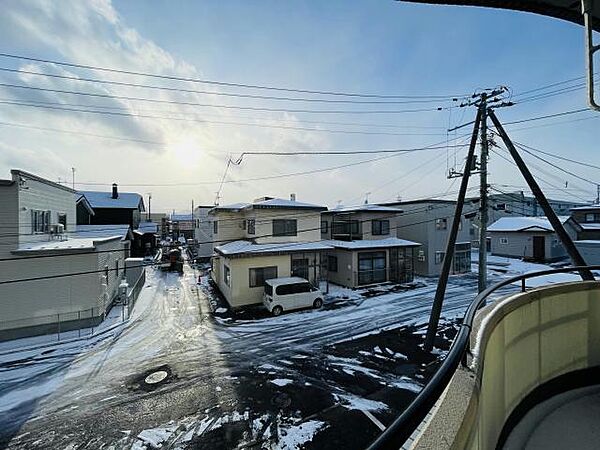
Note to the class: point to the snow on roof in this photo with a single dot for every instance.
(84, 237)
(373, 243)
(589, 226)
(269, 203)
(588, 241)
(365, 208)
(178, 217)
(284, 280)
(586, 207)
(147, 227)
(100, 199)
(246, 247)
(283, 203)
(505, 224)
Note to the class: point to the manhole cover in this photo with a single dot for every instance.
(156, 377)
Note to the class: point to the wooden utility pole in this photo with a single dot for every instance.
(438, 301)
(483, 198)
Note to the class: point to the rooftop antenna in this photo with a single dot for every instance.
(367, 198)
(73, 172)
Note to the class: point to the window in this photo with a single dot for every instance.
(216, 227)
(380, 227)
(259, 275)
(501, 206)
(439, 257)
(285, 227)
(62, 218)
(441, 224)
(332, 263)
(296, 288)
(40, 221)
(345, 227)
(251, 225)
(324, 227)
(227, 275)
(504, 240)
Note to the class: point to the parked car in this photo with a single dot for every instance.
(172, 261)
(286, 294)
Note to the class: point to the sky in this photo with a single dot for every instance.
(179, 152)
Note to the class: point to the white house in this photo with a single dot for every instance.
(52, 271)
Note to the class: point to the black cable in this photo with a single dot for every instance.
(220, 83)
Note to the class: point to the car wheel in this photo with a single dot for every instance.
(317, 303)
(277, 310)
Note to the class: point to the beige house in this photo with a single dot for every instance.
(268, 238)
(39, 245)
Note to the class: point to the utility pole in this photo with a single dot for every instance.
(149, 206)
(483, 198)
(73, 170)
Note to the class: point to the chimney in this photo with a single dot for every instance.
(293, 197)
(115, 192)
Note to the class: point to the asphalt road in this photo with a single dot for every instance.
(95, 397)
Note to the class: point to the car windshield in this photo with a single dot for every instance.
(260, 224)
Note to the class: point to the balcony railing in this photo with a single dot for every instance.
(399, 432)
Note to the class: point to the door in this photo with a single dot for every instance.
(300, 268)
(539, 248)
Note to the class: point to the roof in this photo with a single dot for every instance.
(586, 207)
(248, 248)
(422, 200)
(86, 204)
(85, 237)
(269, 203)
(147, 227)
(560, 9)
(17, 172)
(285, 280)
(365, 208)
(588, 241)
(373, 243)
(513, 224)
(126, 200)
(180, 217)
(589, 226)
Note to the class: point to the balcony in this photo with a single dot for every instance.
(523, 372)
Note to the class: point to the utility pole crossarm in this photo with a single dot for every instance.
(541, 198)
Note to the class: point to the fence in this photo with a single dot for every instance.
(69, 324)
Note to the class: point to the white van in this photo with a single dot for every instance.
(285, 294)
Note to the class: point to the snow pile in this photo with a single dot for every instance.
(282, 381)
(350, 401)
(296, 436)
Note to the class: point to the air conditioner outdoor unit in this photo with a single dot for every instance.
(57, 230)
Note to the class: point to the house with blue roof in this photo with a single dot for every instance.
(110, 208)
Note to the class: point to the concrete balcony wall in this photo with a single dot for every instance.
(518, 344)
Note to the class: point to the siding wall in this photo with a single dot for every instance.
(418, 224)
(203, 232)
(520, 245)
(9, 218)
(239, 293)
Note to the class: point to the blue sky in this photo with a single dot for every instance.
(358, 46)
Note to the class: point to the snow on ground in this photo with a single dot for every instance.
(363, 404)
(282, 381)
(294, 437)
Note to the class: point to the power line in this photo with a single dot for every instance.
(223, 94)
(548, 116)
(558, 156)
(210, 105)
(220, 83)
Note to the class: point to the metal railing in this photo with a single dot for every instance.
(374, 276)
(134, 293)
(405, 425)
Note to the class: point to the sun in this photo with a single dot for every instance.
(186, 151)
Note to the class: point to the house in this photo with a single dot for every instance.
(203, 232)
(40, 250)
(110, 208)
(182, 225)
(364, 246)
(267, 238)
(428, 222)
(530, 238)
(585, 221)
(358, 263)
(145, 239)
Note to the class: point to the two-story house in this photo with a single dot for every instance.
(365, 247)
(203, 232)
(267, 238)
(428, 222)
(53, 273)
(110, 208)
